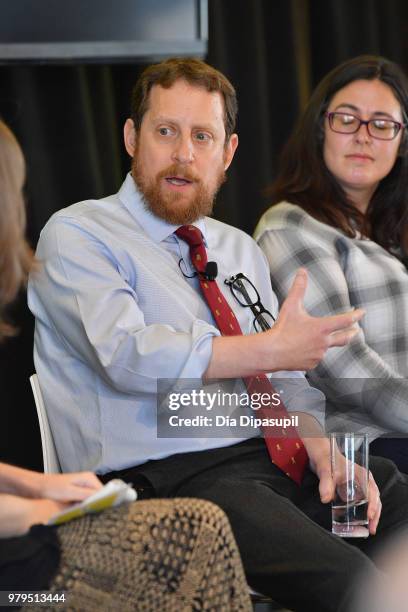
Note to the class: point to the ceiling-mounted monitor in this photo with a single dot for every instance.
(42, 31)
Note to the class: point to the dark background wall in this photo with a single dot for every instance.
(69, 119)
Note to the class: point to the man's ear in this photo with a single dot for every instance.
(129, 136)
(230, 149)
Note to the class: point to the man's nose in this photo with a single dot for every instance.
(183, 152)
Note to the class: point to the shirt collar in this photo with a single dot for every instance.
(157, 229)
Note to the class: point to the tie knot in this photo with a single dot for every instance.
(194, 238)
(190, 234)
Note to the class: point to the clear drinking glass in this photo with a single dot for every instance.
(349, 461)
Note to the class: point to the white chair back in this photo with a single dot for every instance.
(50, 457)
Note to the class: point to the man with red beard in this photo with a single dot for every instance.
(121, 311)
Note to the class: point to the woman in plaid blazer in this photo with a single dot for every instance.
(339, 209)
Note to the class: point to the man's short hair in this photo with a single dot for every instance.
(195, 72)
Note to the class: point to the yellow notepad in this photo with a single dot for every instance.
(112, 494)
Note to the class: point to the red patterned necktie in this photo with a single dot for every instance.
(286, 451)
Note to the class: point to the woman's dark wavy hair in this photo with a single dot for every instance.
(304, 179)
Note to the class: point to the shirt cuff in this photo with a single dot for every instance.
(202, 335)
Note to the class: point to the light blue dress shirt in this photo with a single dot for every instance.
(114, 313)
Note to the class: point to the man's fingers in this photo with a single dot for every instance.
(326, 486)
(341, 338)
(373, 523)
(297, 291)
(342, 327)
(374, 505)
(343, 321)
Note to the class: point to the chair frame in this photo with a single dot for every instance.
(49, 452)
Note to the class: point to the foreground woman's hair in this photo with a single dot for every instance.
(15, 254)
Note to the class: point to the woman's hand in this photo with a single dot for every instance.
(68, 487)
(17, 514)
(60, 487)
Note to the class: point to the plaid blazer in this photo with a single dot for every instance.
(365, 381)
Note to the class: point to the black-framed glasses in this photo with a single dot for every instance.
(247, 295)
(347, 123)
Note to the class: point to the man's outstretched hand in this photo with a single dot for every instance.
(300, 340)
(297, 341)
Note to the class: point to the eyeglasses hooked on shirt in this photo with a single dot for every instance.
(246, 294)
